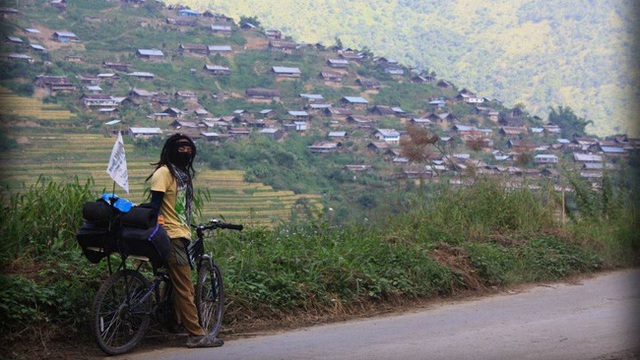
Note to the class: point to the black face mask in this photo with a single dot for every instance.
(182, 159)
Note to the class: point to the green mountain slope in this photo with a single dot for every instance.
(540, 53)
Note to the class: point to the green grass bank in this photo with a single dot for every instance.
(444, 241)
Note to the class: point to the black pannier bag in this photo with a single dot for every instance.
(152, 242)
(96, 241)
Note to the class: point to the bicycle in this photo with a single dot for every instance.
(126, 302)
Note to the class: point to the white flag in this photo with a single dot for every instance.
(117, 167)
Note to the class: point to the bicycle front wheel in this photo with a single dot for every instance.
(121, 311)
(210, 297)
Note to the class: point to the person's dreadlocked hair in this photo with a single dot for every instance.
(169, 155)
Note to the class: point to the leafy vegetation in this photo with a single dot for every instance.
(43, 220)
(452, 240)
(569, 122)
(44, 278)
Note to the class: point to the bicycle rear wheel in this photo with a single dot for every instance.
(210, 297)
(119, 324)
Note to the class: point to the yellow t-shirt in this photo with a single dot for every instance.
(173, 203)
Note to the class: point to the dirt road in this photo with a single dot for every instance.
(594, 318)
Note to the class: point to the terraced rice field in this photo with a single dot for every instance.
(65, 156)
(29, 108)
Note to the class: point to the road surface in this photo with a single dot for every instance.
(594, 318)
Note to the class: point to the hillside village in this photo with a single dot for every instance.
(314, 149)
(476, 135)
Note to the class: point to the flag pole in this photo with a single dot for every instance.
(112, 199)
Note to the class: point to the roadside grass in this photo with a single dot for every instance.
(615, 239)
(446, 241)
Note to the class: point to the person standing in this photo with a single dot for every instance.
(172, 198)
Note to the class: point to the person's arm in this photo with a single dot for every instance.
(156, 200)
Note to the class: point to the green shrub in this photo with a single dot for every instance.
(493, 262)
(59, 296)
(550, 258)
(42, 221)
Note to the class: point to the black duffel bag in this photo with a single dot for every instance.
(152, 242)
(99, 213)
(142, 217)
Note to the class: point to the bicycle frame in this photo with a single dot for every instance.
(197, 254)
(154, 289)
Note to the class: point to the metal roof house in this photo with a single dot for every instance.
(578, 157)
(189, 12)
(64, 36)
(219, 49)
(217, 69)
(144, 132)
(354, 100)
(149, 54)
(299, 114)
(390, 136)
(221, 29)
(546, 159)
(338, 63)
(290, 72)
(141, 75)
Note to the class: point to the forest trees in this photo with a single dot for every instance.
(569, 122)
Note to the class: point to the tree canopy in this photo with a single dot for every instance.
(570, 123)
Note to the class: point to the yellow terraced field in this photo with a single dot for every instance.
(63, 157)
(14, 105)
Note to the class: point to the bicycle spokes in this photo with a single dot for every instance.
(210, 298)
(119, 322)
(210, 295)
(122, 308)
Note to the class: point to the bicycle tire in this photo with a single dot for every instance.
(210, 297)
(115, 328)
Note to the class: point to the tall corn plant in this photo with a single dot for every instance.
(41, 221)
(607, 217)
(613, 196)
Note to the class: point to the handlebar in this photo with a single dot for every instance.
(217, 224)
(196, 248)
